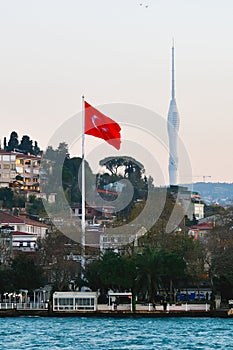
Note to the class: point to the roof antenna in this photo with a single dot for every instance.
(173, 70)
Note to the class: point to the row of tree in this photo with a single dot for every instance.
(26, 145)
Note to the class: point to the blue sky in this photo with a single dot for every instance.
(118, 51)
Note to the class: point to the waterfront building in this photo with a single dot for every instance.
(74, 301)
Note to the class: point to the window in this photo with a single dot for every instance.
(19, 169)
(66, 301)
(84, 301)
(19, 161)
(6, 166)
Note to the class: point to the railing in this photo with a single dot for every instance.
(24, 306)
(74, 308)
(105, 307)
(160, 308)
(174, 307)
(7, 306)
(32, 306)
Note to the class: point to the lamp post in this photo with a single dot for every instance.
(5, 294)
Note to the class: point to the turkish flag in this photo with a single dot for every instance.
(99, 125)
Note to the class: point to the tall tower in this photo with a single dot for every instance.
(173, 123)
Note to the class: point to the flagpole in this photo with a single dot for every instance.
(83, 239)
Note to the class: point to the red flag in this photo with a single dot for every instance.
(99, 125)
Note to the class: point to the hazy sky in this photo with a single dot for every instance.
(53, 51)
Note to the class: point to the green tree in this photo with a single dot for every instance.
(156, 269)
(5, 144)
(35, 207)
(25, 274)
(93, 275)
(7, 196)
(6, 281)
(149, 267)
(124, 168)
(112, 271)
(26, 145)
(36, 149)
(220, 255)
(13, 141)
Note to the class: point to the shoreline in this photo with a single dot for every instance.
(221, 313)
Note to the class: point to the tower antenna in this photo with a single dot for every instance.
(173, 70)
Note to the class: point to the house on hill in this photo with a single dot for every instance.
(18, 233)
(201, 230)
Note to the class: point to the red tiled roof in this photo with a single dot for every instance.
(29, 221)
(27, 156)
(5, 152)
(6, 218)
(18, 233)
(202, 226)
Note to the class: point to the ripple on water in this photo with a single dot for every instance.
(115, 334)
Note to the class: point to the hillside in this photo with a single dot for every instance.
(214, 192)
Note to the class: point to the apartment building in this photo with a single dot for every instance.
(28, 169)
(20, 170)
(7, 168)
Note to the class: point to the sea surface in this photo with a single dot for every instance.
(115, 334)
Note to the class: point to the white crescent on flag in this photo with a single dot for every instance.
(101, 129)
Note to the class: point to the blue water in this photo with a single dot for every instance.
(115, 334)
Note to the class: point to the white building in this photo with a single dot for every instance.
(21, 232)
(25, 242)
(74, 301)
(116, 241)
(19, 170)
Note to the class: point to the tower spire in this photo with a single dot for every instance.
(173, 70)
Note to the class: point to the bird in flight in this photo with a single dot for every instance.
(146, 6)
